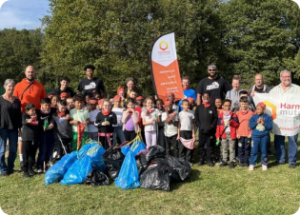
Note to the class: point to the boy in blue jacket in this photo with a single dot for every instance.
(261, 124)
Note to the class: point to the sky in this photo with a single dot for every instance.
(23, 14)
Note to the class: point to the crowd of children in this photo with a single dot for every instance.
(225, 131)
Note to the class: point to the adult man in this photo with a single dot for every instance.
(258, 87)
(286, 87)
(29, 91)
(91, 86)
(233, 94)
(187, 91)
(214, 84)
(63, 88)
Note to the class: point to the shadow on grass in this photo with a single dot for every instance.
(195, 176)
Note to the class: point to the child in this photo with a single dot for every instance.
(139, 101)
(64, 96)
(243, 93)
(218, 104)
(226, 133)
(105, 121)
(63, 129)
(30, 138)
(171, 98)
(120, 93)
(160, 132)
(150, 116)
(93, 112)
(170, 118)
(186, 129)
(118, 128)
(54, 101)
(79, 115)
(206, 117)
(47, 134)
(244, 132)
(261, 124)
(130, 120)
(70, 103)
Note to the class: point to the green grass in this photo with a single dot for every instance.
(208, 191)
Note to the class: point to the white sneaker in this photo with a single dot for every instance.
(251, 167)
(264, 167)
(39, 171)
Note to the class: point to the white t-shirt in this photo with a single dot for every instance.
(169, 129)
(93, 114)
(186, 118)
(226, 120)
(153, 126)
(119, 113)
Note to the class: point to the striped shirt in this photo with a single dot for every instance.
(292, 89)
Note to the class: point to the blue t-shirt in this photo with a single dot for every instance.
(187, 94)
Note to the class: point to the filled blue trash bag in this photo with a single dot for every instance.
(135, 148)
(58, 170)
(90, 158)
(128, 177)
(95, 152)
(78, 171)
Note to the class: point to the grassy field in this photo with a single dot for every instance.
(210, 190)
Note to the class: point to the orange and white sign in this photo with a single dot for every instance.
(165, 69)
(284, 110)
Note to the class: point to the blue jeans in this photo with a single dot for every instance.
(244, 148)
(45, 148)
(261, 142)
(118, 131)
(12, 136)
(280, 148)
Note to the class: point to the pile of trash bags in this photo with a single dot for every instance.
(130, 166)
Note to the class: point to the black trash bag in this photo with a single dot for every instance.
(96, 178)
(113, 159)
(155, 152)
(180, 166)
(141, 163)
(157, 176)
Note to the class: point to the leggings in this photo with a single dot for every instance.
(150, 138)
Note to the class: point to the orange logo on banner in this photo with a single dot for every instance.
(163, 45)
(273, 108)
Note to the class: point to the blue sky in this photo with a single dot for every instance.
(22, 14)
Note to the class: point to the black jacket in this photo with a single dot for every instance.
(100, 118)
(31, 131)
(206, 119)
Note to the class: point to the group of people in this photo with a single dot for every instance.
(230, 126)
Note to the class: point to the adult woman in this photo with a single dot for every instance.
(130, 86)
(10, 124)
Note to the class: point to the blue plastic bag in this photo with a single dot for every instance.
(82, 152)
(78, 171)
(128, 177)
(95, 152)
(58, 170)
(135, 148)
(125, 149)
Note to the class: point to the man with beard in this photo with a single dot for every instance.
(214, 84)
(286, 87)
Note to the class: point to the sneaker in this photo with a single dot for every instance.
(231, 165)
(251, 167)
(223, 163)
(264, 167)
(21, 166)
(241, 164)
(201, 162)
(39, 171)
(31, 172)
(292, 165)
(26, 175)
(4, 174)
(246, 164)
(210, 163)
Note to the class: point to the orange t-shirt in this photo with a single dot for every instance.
(34, 94)
(244, 117)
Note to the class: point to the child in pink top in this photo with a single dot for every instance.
(244, 132)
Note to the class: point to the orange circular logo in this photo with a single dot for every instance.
(163, 45)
